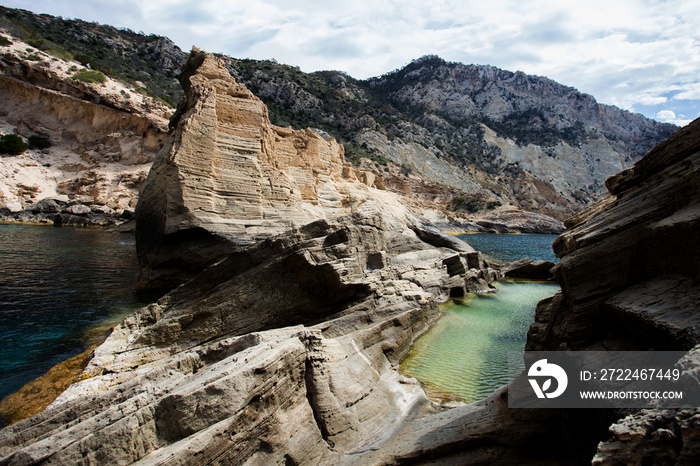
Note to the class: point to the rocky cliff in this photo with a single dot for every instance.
(100, 137)
(629, 278)
(522, 140)
(287, 350)
(629, 264)
(228, 177)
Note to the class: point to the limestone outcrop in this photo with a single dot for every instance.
(283, 342)
(227, 177)
(629, 277)
(629, 264)
(102, 137)
(285, 351)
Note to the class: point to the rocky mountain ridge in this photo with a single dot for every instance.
(497, 137)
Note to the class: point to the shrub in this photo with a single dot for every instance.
(90, 76)
(4, 42)
(60, 53)
(39, 142)
(83, 59)
(12, 144)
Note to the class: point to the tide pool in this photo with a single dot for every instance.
(466, 352)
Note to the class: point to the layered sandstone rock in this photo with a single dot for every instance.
(228, 177)
(629, 264)
(629, 276)
(285, 351)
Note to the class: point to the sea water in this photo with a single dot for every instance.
(509, 248)
(61, 289)
(465, 354)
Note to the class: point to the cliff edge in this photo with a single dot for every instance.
(227, 177)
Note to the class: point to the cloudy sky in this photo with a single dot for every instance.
(641, 55)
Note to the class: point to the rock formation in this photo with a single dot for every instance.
(283, 344)
(102, 137)
(629, 277)
(629, 263)
(524, 140)
(228, 177)
(286, 350)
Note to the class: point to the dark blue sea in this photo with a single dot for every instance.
(508, 248)
(61, 289)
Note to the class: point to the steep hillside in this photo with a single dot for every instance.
(96, 136)
(500, 135)
(497, 140)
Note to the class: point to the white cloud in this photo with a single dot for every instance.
(638, 54)
(669, 116)
(690, 91)
(666, 115)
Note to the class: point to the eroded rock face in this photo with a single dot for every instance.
(102, 141)
(228, 177)
(283, 350)
(287, 350)
(630, 262)
(629, 278)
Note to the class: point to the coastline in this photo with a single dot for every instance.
(39, 393)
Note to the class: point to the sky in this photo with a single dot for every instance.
(640, 55)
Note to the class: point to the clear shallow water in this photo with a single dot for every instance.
(61, 289)
(508, 248)
(466, 352)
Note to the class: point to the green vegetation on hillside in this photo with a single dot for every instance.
(119, 53)
(12, 144)
(90, 76)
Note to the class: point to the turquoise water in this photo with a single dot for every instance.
(465, 354)
(508, 248)
(60, 290)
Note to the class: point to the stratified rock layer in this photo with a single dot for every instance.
(102, 141)
(227, 177)
(287, 350)
(629, 264)
(629, 276)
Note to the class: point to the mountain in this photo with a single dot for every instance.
(493, 140)
(499, 135)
